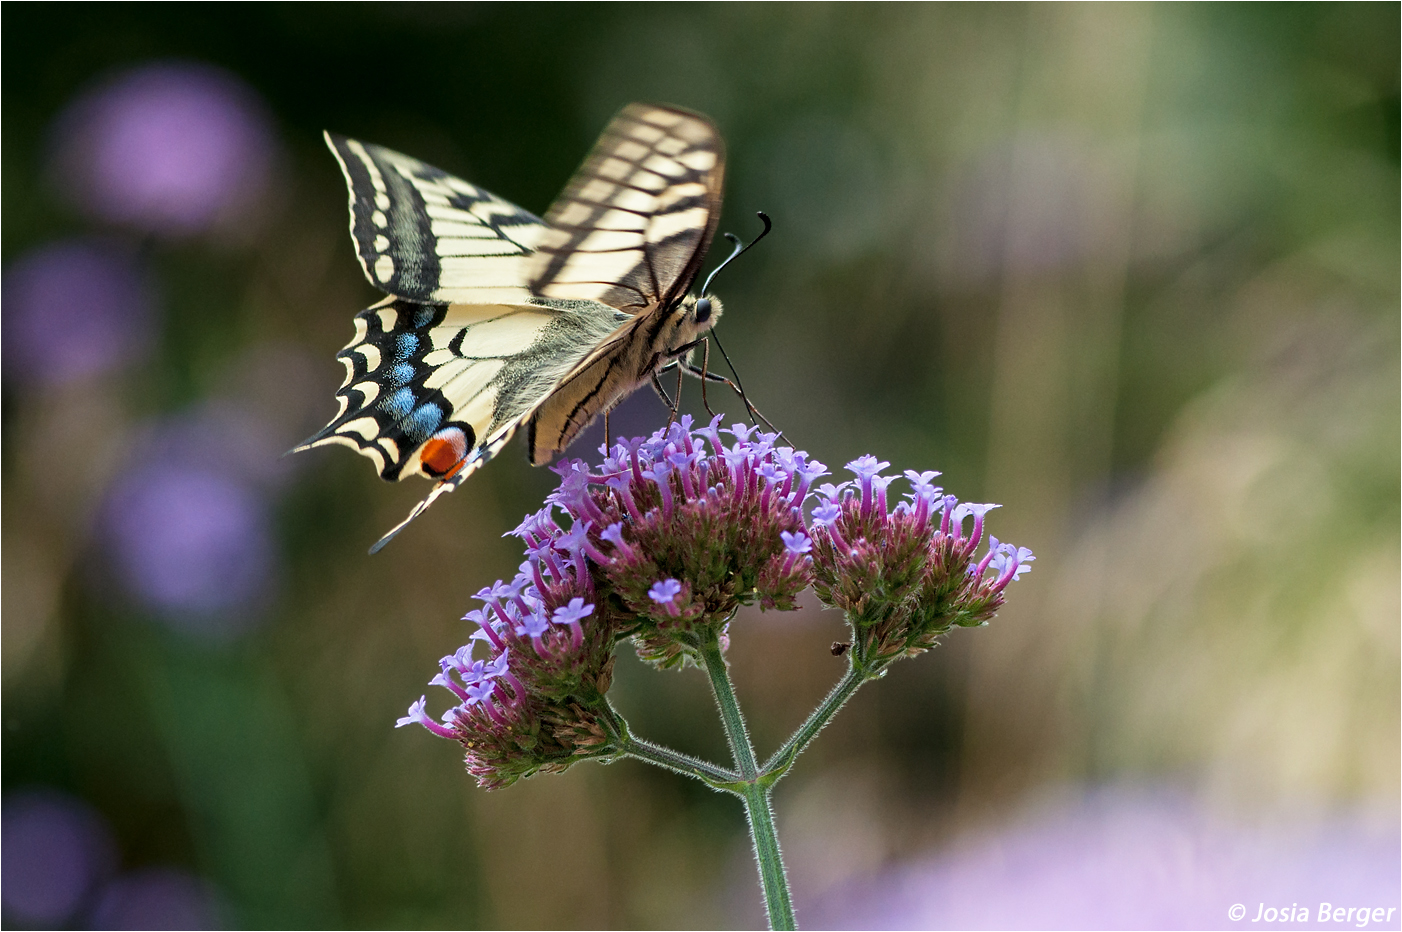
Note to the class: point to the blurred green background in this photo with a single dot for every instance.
(1131, 271)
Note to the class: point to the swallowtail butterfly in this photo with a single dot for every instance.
(496, 319)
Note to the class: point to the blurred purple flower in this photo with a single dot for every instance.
(1126, 861)
(173, 147)
(192, 544)
(187, 526)
(72, 309)
(223, 437)
(156, 898)
(56, 848)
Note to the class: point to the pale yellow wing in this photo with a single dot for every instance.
(632, 227)
(498, 319)
(427, 236)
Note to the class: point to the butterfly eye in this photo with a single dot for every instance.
(703, 310)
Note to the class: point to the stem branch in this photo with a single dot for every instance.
(622, 739)
(782, 759)
(685, 764)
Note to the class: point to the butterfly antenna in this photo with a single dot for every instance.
(739, 249)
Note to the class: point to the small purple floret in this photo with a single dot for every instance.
(664, 591)
(417, 715)
(866, 466)
(572, 615)
(796, 543)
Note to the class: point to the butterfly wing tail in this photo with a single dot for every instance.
(441, 488)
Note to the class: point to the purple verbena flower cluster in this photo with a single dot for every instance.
(694, 528)
(536, 702)
(908, 574)
(663, 544)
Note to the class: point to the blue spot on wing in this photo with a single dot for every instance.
(405, 345)
(401, 374)
(420, 425)
(398, 404)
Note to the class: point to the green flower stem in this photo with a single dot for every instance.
(621, 739)
(735, 731)
(685, 764)
(779, 763)
(777, 901)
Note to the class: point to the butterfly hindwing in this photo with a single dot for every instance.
(438, 389)
(632, 226)
(425, 235)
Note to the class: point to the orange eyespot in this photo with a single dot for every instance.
(443, 453)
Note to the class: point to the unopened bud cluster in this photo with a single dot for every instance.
(663, 544)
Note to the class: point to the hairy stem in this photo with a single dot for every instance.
(685, 764)
(768, 858)
(782, 759)
(622, 739)
(735, 731)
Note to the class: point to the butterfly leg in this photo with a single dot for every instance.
(607, 444)
(705, 364)
(755, 413)
(680, 361)
(676, 409)
(673, 405)
(662, 392)
(706, 375)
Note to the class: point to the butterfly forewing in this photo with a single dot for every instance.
(423, 234)
(633, 224)
(630, 230)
